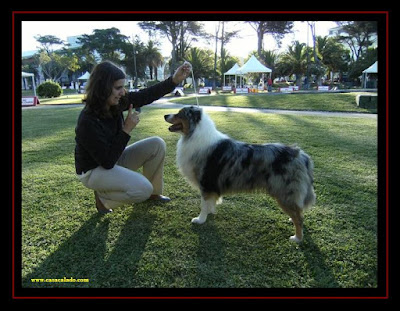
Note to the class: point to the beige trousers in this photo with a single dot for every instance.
(122, 184)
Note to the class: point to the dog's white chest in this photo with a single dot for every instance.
(184, 159)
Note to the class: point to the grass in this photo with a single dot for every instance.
(245, 245)
(345, 102)
(63, 100)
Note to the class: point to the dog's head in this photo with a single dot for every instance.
(185, 121)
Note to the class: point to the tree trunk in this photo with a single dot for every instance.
(222, 55)
(260, 37)
(215, 56)
(173, 56)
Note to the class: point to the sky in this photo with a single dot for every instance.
(239, 47)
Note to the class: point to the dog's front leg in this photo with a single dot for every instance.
(207, 206)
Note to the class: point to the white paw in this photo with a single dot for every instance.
(197, 220)
(294, 238)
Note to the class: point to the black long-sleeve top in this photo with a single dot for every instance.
(101, 141)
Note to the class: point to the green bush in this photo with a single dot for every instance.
(49, 89)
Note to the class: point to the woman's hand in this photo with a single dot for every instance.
(182, 73)
(132, 119)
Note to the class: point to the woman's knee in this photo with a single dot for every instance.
(141, 192)
(160, 143)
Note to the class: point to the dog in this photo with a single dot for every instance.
(217, 165)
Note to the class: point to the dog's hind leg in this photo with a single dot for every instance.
(296, 216)
(208, 202)
(297, 219)
(213, 206)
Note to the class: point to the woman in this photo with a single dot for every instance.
(103, 161)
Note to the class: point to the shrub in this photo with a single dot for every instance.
(49, 89)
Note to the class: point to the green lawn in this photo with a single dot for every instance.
(63, 100)
(245, 245)
(345, 102)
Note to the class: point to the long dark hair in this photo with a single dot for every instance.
(99, 88)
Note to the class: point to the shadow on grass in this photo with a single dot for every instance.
(85, 255)
(210, 255)
(315, 259)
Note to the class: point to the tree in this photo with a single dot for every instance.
(358, 35)
(179, 33)
(153, 57)
(108, 43)
(226, 62)
(316, 67)
(332, 54)
(202, 62)
(47, 42)
(225, 37)
(54, 63)
(138, 47)
(276, 28)
(294, 61)
(363, 62)
(217, 27)
(86, 59)
(270, 59)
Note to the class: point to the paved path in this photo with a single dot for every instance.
(166, 104)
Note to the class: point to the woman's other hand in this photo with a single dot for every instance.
(132, 119)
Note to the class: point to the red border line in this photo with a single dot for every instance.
(387, 154)
(207, 297)
(13, 154)
(199, 12)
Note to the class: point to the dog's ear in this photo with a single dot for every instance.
(197, 115)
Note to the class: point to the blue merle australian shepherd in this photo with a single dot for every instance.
(219, 165)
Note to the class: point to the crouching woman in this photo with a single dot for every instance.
(103, 161)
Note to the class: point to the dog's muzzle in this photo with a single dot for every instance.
(176, 125)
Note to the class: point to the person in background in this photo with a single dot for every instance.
(103, 161)
(269, 84)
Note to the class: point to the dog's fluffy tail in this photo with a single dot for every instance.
(310, 198)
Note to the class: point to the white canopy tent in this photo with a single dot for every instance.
(85, 76)
(253, 65)
(81, 88)
(371, 69)
(26, 75)
(232, 72)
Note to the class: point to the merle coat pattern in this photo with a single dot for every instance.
(217, 165)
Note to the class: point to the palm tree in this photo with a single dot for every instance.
(270, 59)
(332, 54)
(226, 62)
(153, 58)
(202, 62)
(294, 61)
